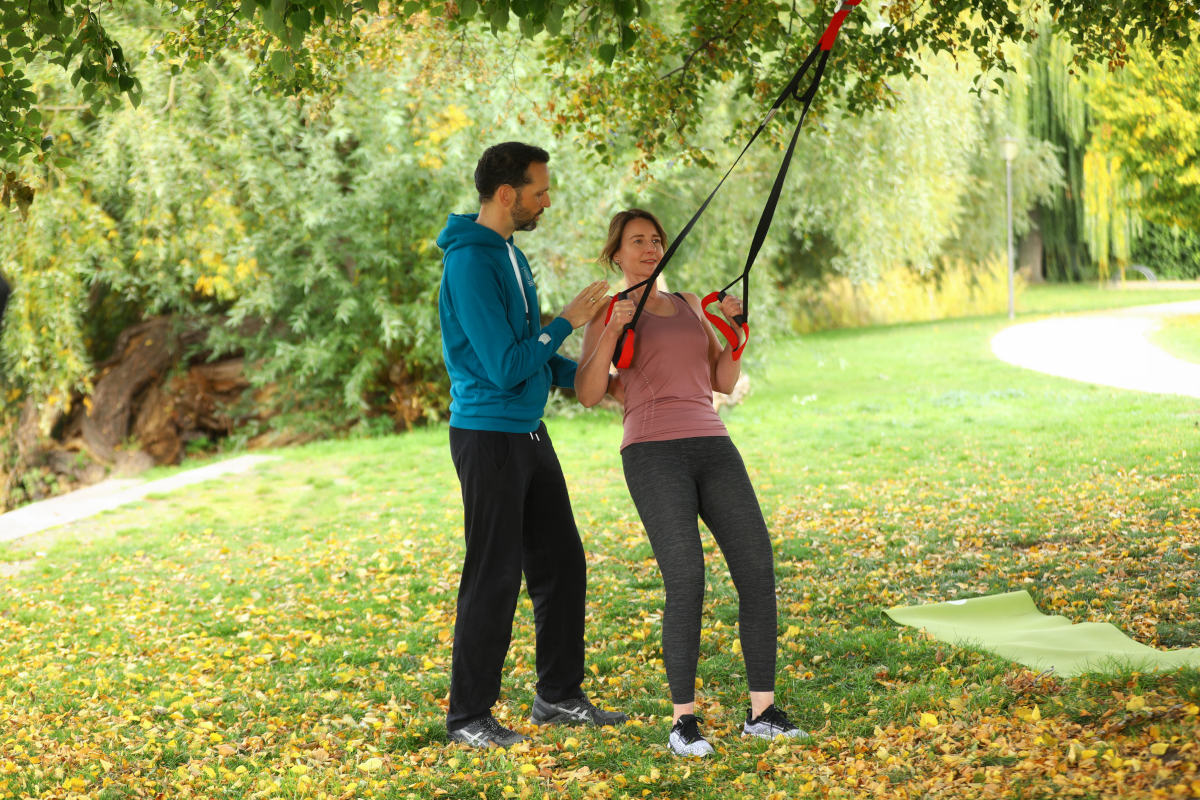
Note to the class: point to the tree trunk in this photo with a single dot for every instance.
(1029, 254)
(143, 353)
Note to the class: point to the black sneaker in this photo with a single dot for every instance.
(685, 738)
(573, 711)
(771, 723)
(486, 732)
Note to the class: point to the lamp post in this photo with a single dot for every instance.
(1010, 152)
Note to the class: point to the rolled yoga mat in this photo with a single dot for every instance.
(1010, 626)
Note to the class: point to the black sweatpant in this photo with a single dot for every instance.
(672, 483)
(518, 519)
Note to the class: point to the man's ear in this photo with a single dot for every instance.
(506, 195)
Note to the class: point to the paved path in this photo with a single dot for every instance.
(1108, 348)
(110, 494)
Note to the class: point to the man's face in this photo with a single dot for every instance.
(532, 199)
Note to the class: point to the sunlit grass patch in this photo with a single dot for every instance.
(1180, 336)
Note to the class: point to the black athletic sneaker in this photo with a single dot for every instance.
(486, 732)
(771, 723)
(573, 711)
(685, 738)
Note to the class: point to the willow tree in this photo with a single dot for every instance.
(1053, 102)
(1148, 128)
(669, 55)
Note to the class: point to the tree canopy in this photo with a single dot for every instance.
(623, 68)
(1149, 122)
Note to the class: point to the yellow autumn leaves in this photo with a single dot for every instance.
(444, 124)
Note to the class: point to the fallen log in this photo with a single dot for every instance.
(142, 357)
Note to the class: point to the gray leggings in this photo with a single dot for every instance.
(672, 483)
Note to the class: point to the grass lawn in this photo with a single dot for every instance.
(1059, 297)
(287, 633)
(1180, 336)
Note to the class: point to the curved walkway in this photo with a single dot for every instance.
(1109, 348)
(110, 494)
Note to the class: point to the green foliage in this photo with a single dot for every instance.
(888, 188)
(1128, 145)
(70, 35)
(300, 46)
(1056, 110)
(344, 215)
(48, 259)
(1149, 124)
(300, 233)
(1110, 224)
(1171, 252)
(899, 198)
(297, 236)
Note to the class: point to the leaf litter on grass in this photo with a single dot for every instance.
(252, 651)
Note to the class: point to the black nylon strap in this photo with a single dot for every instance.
(819, 56)
(788, 91)
(768, 212)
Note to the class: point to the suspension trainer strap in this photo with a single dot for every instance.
(764, 225)
(623, 356)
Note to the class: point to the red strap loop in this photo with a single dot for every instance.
(623, 356)
(729, 333)
(611, 303)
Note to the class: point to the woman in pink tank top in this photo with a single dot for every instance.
(681, 466)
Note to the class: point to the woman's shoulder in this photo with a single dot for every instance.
(692, 300)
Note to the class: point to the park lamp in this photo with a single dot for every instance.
(1010, 153)
(1010, 148)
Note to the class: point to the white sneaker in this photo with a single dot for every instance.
(685, 738)
(771, 723)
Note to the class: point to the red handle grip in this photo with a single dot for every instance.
(729, 333)
(611, 303)
(737, 351)
(623, 355)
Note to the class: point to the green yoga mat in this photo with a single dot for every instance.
(1010, 626)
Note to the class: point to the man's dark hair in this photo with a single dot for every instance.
(506, 163)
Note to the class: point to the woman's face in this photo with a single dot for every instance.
(641, 250)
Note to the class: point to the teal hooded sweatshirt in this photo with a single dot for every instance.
(501, 360)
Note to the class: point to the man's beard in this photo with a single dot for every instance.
(523, 220)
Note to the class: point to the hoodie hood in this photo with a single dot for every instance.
(463, 231)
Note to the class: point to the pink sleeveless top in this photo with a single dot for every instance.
(668, 388)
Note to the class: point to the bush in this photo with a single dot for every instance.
(1171, 252)
(901, 295)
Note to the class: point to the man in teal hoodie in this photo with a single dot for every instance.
(517, 514)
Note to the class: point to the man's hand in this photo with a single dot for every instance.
(583, 307)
